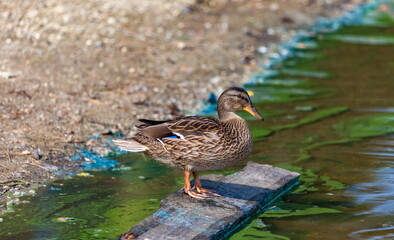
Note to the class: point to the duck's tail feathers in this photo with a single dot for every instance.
(130, 145)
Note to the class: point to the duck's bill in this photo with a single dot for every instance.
(252, 110)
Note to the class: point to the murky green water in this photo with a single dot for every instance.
(330, 116)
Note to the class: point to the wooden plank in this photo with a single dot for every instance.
(244, 194)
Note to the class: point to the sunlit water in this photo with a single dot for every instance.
(329, 115)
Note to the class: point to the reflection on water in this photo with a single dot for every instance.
(329, 118)
(380, 192)
(383, 233)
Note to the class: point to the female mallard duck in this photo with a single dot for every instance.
(197, 143)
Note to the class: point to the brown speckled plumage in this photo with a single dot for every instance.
(206, 143)
(197, 143)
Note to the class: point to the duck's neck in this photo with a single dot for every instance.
(232, 120)
(226, 116)
(235, 126)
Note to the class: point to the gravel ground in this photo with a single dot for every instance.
(71, 69)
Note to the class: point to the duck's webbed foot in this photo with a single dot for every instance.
(192, 192)
(200, 189)
(208, 192)
(197, 191)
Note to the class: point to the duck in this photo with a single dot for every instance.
(196, 144)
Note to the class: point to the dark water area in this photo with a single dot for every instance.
(329, 116)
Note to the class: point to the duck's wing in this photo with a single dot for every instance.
(146, 123)
(155, 129)
(182, 128)
(195, 127)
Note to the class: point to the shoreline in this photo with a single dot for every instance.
(56, 94)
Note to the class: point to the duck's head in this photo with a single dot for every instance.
(235, 99)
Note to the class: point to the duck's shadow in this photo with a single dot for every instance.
(236, 191)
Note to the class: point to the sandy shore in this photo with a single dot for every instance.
(71, 70)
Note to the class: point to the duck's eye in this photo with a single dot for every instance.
(242, 97)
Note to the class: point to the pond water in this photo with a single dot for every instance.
(329, 116)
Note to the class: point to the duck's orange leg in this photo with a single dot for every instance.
(189, 190)
(200, 189)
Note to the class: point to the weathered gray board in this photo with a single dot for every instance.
(243, 194)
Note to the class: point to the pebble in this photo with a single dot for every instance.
(262, 49)
(215, 80)
(8, 75)
(181, 45)
(18, 194)
(274, 7)
(37, 154)
(50, 167)
(32, 192)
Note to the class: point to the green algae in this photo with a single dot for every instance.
(260, 132)
(290, 82)
(258, 229)
(332, 184)
(102, 206)
(295, 210)
(119, 218)
(315, 116)
(305, 73)
(303, 156)
(355, 129)
(277, 94)
(254, 232)
(327, 143)
(264, 113)
(366, 126)
(311, 181)
(358, 39)
(380, 18)
(306, 108)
